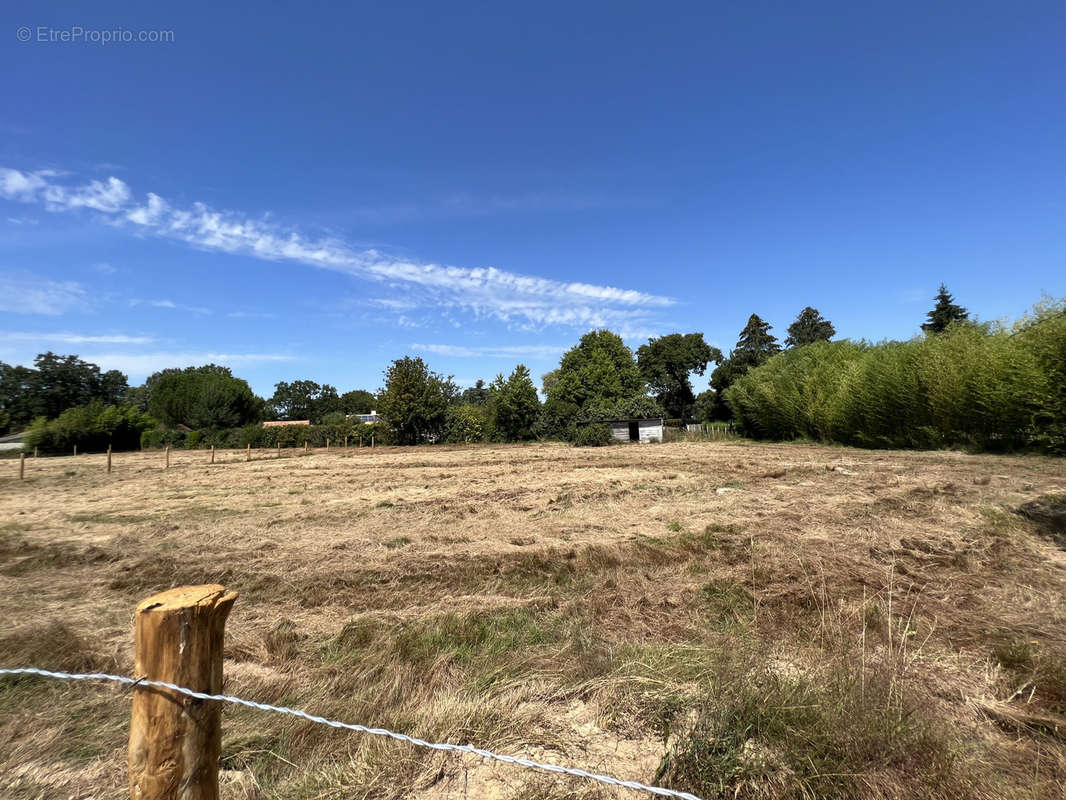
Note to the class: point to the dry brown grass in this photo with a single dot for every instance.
(730, 618)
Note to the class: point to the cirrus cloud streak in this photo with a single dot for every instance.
(525, 300)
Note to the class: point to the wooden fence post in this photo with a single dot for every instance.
(345, 442)
(248, 454)
(168, 456)
(22, 466)
(175, 740)
(327, 445)
(279, 449)
(35, 452)
(109, 459)
(305, 445)
(212, 454)
(371, 440)
(75, 449)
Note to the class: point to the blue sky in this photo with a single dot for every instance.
(312, 191)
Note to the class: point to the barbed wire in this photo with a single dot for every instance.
(402, 737)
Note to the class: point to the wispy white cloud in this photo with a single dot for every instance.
(22, 220)
(143, 364)
(41, 187)
(26, 187)
(394, 304)
(22, 293)
(104, 268)
(170, 304)
(514, 351)
(108, 196)
(74, 338)
(483, 291)
(251, 315)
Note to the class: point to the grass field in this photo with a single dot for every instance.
(728, 618)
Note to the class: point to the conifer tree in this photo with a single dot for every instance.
(944, 312)
(810, 326)
(755, 345)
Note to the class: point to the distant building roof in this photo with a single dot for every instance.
(612, 420)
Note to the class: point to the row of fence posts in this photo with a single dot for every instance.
(247, 454)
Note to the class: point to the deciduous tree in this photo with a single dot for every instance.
(414, 401)
(513, 406)
(358, 401)
(666, 364)
(55, 384)
(600, 367)
(304, 400)
(204, 397)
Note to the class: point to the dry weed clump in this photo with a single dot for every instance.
(735, 620)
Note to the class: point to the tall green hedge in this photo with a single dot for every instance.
(979, 386)
(259, 437)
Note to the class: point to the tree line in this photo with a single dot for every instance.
(759, 384)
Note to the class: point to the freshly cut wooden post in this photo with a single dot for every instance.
(175, 740)
(22, 466)
(109, 459)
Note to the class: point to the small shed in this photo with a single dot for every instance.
(637, 430)
(13, 441)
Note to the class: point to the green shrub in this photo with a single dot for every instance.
(92, 427)
(158, 438)
(592, 435)
(636, 407)
(256, 436)
(464, 424)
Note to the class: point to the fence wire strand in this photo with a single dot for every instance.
(402, 737)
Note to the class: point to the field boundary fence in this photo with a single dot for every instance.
(401, 737)
(246, 454)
